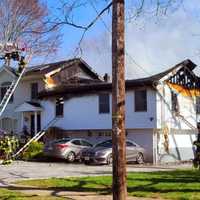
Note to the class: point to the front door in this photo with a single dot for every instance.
(33, 124)
(38, 122)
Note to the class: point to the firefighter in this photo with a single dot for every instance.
(22, 64)
(196, 160)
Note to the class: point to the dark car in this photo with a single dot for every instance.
(102, 153)
(67, 148)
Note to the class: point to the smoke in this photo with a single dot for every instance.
(152, 45)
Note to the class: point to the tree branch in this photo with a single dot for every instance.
(85, 28)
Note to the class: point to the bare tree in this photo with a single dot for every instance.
(26, 23)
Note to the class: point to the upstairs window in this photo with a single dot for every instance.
(174, 100)
(104, 103)
(4, 88)
(59, 107)
(140, 101)
(34, 91)
(198, 105)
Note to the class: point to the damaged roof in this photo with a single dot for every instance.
(93, 87)
(46, 68)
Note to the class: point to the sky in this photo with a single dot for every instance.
(153, 42)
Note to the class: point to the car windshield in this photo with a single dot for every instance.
(107, 143)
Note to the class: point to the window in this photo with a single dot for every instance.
(107, 143)
(174, 100)
(198, 105)
(85, 143)
(140, 100)
(34, 91)
(76, 142)
(104, 103)
(4, 88)
(59, 107)
(9, 125)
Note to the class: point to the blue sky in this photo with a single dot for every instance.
(153, 43)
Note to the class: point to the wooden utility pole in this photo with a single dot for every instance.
(118, 102)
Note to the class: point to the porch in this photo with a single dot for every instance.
(30, 117)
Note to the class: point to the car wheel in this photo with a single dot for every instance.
(71, 157)
(140, 158)
(109, 159)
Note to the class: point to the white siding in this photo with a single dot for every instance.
(141, 119)
(49, 112)
(83, 113)
(21, 94)
(181, 133)
(165, 115)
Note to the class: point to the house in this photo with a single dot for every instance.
(161, 112)
(24, 107)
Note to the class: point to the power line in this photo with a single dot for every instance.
(108, 29)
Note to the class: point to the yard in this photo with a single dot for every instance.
(179, 184)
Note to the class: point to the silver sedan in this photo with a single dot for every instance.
(66, 148)
(102, 153)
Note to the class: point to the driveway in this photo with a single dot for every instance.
(19, 170)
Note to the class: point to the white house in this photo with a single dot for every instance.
(24, 107)
(160, 110)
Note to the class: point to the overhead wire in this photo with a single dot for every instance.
(126, 52)
(131, 58)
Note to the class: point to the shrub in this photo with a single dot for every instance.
(8, 145)
(34, 150)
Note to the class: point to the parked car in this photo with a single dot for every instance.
(102, 153)
(66, 148)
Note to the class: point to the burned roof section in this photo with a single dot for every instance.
(46, 68)
(88, 88)
(94, 87)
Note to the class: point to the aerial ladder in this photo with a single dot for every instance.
(12, 52)
(10, 92)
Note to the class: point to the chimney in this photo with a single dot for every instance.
(106, 77)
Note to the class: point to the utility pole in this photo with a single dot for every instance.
(118, 102)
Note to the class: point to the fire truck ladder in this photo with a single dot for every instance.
(10, 92)
(186, 121)
(36, 137)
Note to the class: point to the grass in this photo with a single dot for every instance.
(176, 185)
(7, 194)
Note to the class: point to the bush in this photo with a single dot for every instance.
(34, 151)
(8, 145)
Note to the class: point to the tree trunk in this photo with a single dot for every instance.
(118, 102)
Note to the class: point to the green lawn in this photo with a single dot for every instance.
(180, 185)
(8, 194)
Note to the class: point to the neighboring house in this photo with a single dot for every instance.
(24, 108)
(160, 111)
